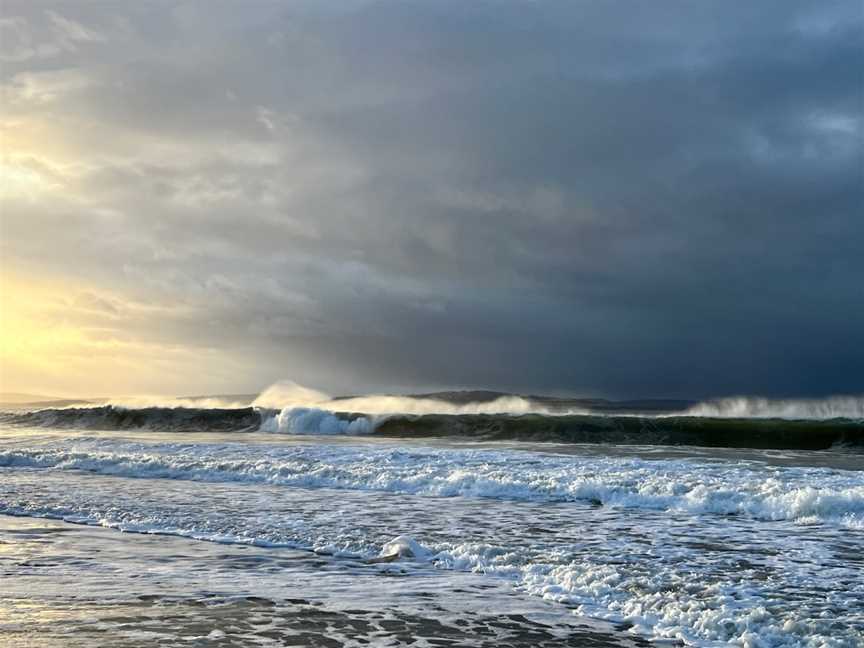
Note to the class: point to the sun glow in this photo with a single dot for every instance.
(32, 340)
(27, 174)
(20, 180)
(72, 340)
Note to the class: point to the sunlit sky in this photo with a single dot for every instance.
(624, 199)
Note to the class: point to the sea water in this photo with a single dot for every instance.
(698, 546)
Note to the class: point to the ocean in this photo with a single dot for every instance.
(254, 527)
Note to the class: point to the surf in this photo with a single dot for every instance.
(840, 434)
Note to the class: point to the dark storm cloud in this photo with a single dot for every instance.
(619, 198)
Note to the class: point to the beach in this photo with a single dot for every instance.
(72, 585)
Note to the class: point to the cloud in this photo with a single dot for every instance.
(70, 31)
(533, 196)
(41, 35)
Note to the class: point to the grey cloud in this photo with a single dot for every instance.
(620, 198)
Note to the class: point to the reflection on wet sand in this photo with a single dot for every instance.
(81, 587)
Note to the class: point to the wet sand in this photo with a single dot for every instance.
(75, 586)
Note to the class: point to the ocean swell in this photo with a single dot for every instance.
(116, 417)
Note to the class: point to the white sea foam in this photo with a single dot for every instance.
(690, 487)
(404, 546)
(306, 420)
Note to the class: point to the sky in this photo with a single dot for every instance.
(624, 198)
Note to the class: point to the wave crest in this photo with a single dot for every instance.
(306, 420)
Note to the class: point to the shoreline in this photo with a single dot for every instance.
(75, 585)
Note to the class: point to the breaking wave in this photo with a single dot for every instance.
(702, 431)
(287, 396)
(304, 420)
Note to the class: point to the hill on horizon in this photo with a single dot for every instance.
(20, 397)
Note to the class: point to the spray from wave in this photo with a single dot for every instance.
(813, 409)
(289, 395)
(289, 408)
(301, 410)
